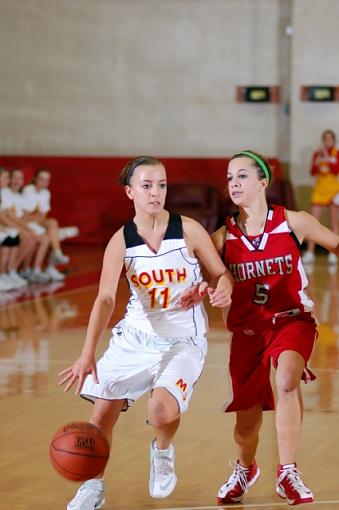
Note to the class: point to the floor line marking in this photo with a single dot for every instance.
(246, 505)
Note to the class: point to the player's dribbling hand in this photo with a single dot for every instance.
(78, 372)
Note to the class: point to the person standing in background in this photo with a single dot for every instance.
(325, 167)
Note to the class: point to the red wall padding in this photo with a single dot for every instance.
(85, 190)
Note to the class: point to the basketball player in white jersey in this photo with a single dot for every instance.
(158, 347)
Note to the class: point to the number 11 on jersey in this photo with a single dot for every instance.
(159, 299)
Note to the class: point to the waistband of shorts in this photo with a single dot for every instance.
(123, 324)
(278, 319)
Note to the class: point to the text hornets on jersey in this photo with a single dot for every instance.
(265, 267)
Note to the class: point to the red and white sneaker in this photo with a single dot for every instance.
(291, 487)
(238, 483)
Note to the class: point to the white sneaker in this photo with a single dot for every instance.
(4, 284)
(26, 274)
(57, 257)
(17, 278)
(308, 257)
(290, 486)
(54, 274)
(332, 258)
(8, 282)
(162, 476)
(67, 232)
(233, 490)
(90, 496)
(39, 276)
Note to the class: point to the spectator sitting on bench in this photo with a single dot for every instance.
(37, 203)
(14, 204)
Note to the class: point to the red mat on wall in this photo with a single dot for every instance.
(85, 189)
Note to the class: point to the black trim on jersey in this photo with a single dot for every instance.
(131, 235)
(174, 230)
(295, 239)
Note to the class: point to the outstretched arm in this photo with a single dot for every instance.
(199, 241)
(100, 315)
(307, 228)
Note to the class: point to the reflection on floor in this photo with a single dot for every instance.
(24, 345)
(82, 270)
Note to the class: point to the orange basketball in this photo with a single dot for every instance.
(79, 451)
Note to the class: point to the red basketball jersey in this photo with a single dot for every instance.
(268, 273)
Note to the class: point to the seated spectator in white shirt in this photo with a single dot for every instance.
(11, 245)
(15, 202)
(37, 203)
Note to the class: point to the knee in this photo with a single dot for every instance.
(286, 382)
(246, 432)
(159, 413)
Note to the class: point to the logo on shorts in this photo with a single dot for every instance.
(249, 332)
(182, 387)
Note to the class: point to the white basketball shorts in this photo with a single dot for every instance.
(136, 362)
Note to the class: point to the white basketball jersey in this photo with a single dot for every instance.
(12, 201)
(157, 280)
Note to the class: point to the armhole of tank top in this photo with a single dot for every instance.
(292, 233)
(295, 239)
(126, 265)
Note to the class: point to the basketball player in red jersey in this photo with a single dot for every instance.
(261, 247)
(270, 317)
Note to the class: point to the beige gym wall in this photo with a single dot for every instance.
(131, 76)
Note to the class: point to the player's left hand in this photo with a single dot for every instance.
(220, 298)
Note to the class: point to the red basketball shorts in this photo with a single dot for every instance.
(251, 352)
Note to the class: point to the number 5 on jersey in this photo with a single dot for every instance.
(261, 294)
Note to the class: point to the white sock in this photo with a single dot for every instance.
(287, 466)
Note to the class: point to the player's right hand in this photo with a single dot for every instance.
(78, 372)
(193, 295)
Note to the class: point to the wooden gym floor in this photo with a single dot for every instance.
(42, 333)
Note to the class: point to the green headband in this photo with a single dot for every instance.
(260, 162)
